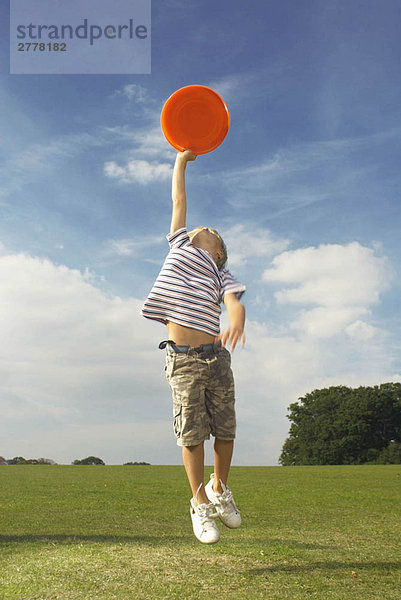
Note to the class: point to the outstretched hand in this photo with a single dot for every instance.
(232, 336)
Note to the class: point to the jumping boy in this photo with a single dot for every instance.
(186, 297)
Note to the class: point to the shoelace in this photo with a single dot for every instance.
(205, 511)
(225, 499)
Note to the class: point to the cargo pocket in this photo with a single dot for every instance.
(177, 410)
(223, 366)
(169, 367)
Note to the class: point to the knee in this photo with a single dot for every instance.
(193, 448)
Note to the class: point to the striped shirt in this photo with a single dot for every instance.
(190, 287)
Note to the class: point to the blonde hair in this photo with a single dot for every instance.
(222, 261)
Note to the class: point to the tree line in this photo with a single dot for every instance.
(20, 460)
(345, 426)
(89, 460)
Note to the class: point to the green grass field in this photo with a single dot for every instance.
(80, 532)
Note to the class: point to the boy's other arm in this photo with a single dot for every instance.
(236, 315)
(178, 218)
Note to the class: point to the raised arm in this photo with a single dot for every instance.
(179, 215)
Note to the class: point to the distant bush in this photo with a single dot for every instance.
(136, 463)
(90, 460)
(20, 460)
(17, 460)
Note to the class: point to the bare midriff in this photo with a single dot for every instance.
(185, 336)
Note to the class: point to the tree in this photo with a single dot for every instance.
(390, 455)
(341, 425)
(90, 460)
(17, 460)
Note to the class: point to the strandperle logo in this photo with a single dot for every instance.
(85, 31)
(80, 37)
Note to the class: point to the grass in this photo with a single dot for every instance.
(122, 533)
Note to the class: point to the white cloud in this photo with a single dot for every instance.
(331, 274)
(265, 82)
(302, 174)
(230, 85)
(138, 171)
(145, 144)
(123, 247)
(361, 331)
(133, 246)
(149, 142)
(69, 351)
(133, 91)
(326, 321)
(148, 149)
(342, 281)
(138, 103)
(29, 162)
(245, 242)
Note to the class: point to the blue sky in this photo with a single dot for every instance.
(305, 190)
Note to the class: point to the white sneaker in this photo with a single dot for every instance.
(224, 504)
(204, 526)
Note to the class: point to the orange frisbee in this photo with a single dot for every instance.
(195, 117)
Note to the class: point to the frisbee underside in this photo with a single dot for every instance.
(195, 117)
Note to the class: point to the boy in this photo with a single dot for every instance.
(186, 297)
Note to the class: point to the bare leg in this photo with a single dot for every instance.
(223, 451)
(193, 457)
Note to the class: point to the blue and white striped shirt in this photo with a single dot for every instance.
(189, 287)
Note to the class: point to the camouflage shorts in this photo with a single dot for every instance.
(202, 385)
